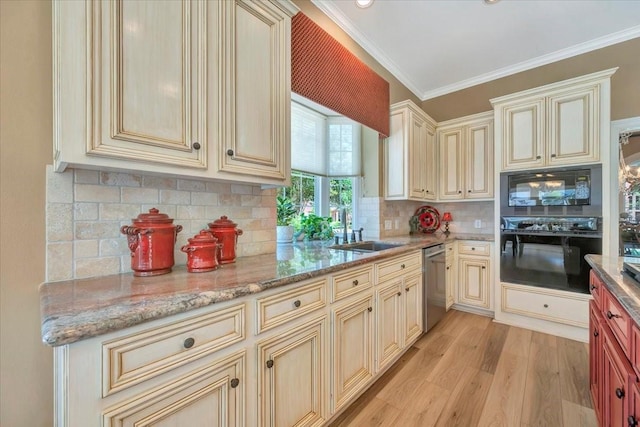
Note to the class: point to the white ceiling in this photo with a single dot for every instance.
(436, 47)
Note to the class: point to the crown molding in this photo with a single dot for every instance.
(347, 26)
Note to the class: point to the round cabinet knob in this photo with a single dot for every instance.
(370, 309)
(230, 152)
(469, 191)
(189, 342)
(269, 363)
(196, 145)
(546, 306)
(593, 287)
(399, 293)
(235, 383)
(473, 249)
(619, 393)
(632, 421)
(484, 268)
(297, 303)
(402, 266)
(538, 157)
(355, 282)
(553, 155)
(595, 333)
(448, 267)
(406, 289)
(459, 191)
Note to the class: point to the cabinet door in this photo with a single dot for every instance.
(617, 375)
(292, 377)
(422, 151)
(595, 358)
(450, 144)
(430, 166)
(473, 282)
(523, 135)
(412, 306)
(573, 137)
(148, 85)
(352, 349)
(633, 419)
(389, 328)
(450, 276)
(213, 396)
(254, 135)
(396, 174)
(479, 160)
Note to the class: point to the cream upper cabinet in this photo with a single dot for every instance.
(171, 87)
(410, 154)
(466, 157)
(559, 124)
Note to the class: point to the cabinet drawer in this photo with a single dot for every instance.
(617, 319)
(570, 310)
(135, 358)
(474, 248)
(282, 307)
(635, 349)
(398, 265)
(596, 288)
(351, 282)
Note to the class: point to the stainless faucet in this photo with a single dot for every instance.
(345, 236)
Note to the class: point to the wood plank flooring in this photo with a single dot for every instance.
(469, 371)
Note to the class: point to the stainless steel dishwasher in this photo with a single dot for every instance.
(433, 285)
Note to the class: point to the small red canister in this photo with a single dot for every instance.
(227, 233)
(202, 252)
(151, 240)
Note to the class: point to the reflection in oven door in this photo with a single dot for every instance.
(555, 262)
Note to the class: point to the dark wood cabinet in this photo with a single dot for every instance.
(614, 347)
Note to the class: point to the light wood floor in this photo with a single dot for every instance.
(470, 371)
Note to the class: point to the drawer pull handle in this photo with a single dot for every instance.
(593, 287)
(546, 306)
(610, 315)
(553, 155)
(538, 157)
(235, 383)
(484, 268)
(402, 266)
(632, 421)
(473, 249)
(355, 282)
(269, 363)
(370, 309)
(297, 303)
(619, 393)
(595, 333)
(189, 342)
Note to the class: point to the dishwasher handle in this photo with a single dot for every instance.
(433, 251)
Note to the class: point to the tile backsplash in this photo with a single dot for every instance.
(86, 208)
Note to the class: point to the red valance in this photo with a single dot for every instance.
(326, 72)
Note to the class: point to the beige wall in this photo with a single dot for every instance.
(26, 388)
(625, 83)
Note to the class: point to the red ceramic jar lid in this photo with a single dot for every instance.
(223, 222)
(154, 216)
(204, 236)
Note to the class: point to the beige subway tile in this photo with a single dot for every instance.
(120, 179)
(218, 187)
(269, 201)
(175, 197)
(96, 193)
(229, 199)
(191, 212)
(264, 235)
(263, 212)
(59, 261)
(242, 189)
(118, 211)
(159, 182)
(114, 247)
(214, 212)
(86, 248)
(85, 211)
(235, 213)
(86, 176)
(251, 200)
(139, 195)
(191, 185)
(59, 186)
(205, 199)
(59, 220)
(87, 230)
(93, 267)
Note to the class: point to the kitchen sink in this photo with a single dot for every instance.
(367, 246)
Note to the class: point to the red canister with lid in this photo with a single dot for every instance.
(151, 239)
(202, 252)
(227, 232)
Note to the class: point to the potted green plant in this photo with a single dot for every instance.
(285, 212)
(314, 227)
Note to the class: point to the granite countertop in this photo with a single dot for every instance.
(78, 309)
(625, 289)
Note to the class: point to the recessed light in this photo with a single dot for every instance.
(491, 1)
(363, 3)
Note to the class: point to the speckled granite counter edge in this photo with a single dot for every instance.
(623, 288)
(68, 325)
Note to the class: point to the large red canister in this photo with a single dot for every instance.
(227, 232)
(151, 240)
(202, 252)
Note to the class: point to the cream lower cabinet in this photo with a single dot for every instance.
(474, 273)
(450, 274)
(410, 155)
(389, 322)
(353, 349)
(172, 87)
(292, 376)
(465, 148)
(554, 125)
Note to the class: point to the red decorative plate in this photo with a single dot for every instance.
(428, 219)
